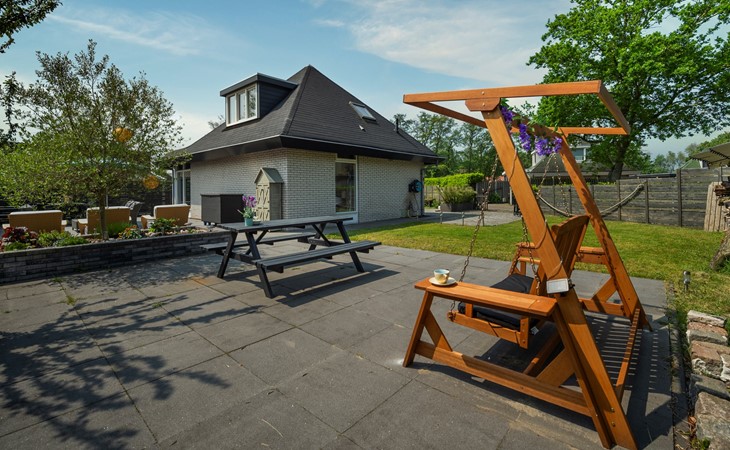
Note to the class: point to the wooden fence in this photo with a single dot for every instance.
(677, 200)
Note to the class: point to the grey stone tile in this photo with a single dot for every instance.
(267, 420)
(388, 348)
(346, 327)
(302, 309)
(243, 330)
(59, 314)
(112, 423)
(42, 349)
(343, 389)
(421, 417)
(204, 306)
(95, 284)
(521, 436)
(31, 288)
(399, 306)
(284, 355)
(183, 399)
(112, 304)
(135, 329)
(158, 359)
(42, 398)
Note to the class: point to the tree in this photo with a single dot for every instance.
(96, 131)
(438, 133)
(667, 83)
(220, 120)
(18, 14)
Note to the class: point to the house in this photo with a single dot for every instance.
(549, 171)
(327, 151)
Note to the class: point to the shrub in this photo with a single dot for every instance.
(460, 179)
(116, 228)
(162, 225)
(19, 235)
(131, 233)
(457, 194)
(59, 239)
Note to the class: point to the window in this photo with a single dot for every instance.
(580, 154)
(242, 105)
(363, 111)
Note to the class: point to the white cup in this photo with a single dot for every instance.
(441, 275)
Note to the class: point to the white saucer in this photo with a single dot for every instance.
(449, 282)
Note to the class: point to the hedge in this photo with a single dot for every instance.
(460, 179)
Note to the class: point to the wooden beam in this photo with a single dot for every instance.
(535, 90)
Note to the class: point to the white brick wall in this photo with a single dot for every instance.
(383, 188)
(309, 182)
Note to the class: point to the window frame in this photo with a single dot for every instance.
(241, 108)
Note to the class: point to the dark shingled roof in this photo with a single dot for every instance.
(315, 115)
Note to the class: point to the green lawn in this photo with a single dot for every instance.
(648, 251)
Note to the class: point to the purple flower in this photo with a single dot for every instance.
(508, 116)
(557, 143)
(525, 139)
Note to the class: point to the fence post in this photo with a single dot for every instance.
(618, 189)
(646, 199)
(679, 197)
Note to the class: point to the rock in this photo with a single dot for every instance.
(696, 316)
(701, 383)
(706, 358)
(712, 420)
(706, 336)
(725, 374)
(699, 326)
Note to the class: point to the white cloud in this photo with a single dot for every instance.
(161, 31)
(488, 41)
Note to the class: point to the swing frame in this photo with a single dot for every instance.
(598, 397)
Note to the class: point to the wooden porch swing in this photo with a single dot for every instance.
(552, 296)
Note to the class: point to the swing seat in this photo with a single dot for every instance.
(514, 283)
(514, 327)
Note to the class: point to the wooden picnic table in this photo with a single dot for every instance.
(248, 251)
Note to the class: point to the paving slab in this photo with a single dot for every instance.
(179, 401)
(166, 354)
(343, 389)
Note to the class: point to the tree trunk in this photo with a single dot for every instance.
(102, 218)
(622, 147)
(723, 253)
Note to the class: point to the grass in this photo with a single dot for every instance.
(649, 251)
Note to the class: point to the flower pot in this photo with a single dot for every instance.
(454, 207)
(248, 221)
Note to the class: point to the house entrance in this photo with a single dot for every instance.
(181, 186)
(346, 186)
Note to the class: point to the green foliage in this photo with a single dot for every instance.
(664, 62)
(461, 179)
(457, 194)
(97, 131)
(131, 233)
(116, 228)
(13, 246)
(59, 239)
(162, 225)
(18, 14)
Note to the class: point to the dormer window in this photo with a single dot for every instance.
(242, 105)
(363, 111)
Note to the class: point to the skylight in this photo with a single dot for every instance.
(363, 111)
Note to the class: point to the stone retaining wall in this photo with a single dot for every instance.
(709, 393)
(38, 263)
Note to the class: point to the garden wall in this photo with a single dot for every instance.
(38, 263)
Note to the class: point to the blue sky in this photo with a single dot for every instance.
(377, 50)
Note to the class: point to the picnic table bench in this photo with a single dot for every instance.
(248, 251)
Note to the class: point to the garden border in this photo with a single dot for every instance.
(32, 264)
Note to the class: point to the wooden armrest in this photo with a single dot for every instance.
(591, 255)
(514, 302)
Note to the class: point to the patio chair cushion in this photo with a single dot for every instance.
(39, 221)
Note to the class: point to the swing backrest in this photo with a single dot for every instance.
(568, 236)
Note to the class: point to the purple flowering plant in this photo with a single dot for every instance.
(529, 139)
(249, 203)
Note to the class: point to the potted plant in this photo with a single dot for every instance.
(457, 198)
(248, 213)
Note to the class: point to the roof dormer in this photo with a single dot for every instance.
(254, 97)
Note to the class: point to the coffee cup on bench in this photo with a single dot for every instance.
(441, 275)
